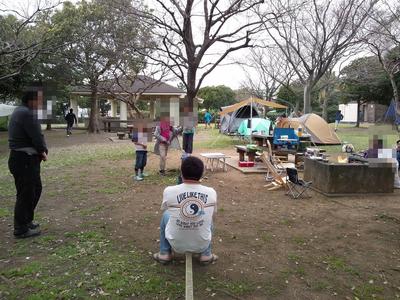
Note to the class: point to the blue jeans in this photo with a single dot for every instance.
(165, 247)
(141, 160)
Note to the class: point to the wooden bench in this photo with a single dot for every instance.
(242, 150)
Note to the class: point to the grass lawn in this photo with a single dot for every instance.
(100, 228)
(360, 137)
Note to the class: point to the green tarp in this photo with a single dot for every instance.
(257, 125)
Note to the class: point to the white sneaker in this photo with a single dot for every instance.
(138, 178)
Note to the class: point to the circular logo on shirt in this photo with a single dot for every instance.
(192, 208)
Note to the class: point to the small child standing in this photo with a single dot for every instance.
(139, 138)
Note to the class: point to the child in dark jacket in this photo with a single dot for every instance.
(140, 138)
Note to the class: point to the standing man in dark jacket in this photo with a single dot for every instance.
(28, 149)
(70, 118)
(338, 118)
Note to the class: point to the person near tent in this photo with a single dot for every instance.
(338, 118)
(70, 118)
(166, 138)
(28, 150)
(281, 121)
(187, 220)
(207, 118)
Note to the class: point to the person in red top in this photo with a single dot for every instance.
(166, 138)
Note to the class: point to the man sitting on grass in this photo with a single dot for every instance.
(186, 224)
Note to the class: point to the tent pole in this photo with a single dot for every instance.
(251, 114)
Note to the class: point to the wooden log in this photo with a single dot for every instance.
(189, 277)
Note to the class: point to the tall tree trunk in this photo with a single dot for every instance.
(307, 97)
(324, 99)
(325, 109)
(191, 94)
(191, 88)
(94, 111)
(395, 93)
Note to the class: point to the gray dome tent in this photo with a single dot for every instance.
(230, 122)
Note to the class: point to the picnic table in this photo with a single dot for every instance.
(108, 122)
(261, 139)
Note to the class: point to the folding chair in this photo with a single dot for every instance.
(276, 180)
(296, 187)
(279, 166)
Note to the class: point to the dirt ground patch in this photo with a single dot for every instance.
(270, 246)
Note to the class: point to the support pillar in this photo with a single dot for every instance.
(113, 104)
(152, 110)
(123, 113)
(174, 110)
(157, 108)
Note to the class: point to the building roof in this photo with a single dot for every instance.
(142, 84)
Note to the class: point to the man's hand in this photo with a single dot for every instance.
(145, 146)
(44, 156)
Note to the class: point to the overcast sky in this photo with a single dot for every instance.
(228, 73)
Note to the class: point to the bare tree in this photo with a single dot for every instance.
(326, 86)
(20, 43)
(195, 36)
(383, 39)
(192, 30)
(266, 71)
(315, 36)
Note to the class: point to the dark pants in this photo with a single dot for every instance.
(141, 160)
(188, 142)
(69, 128)
(398, 158)
(26, 171)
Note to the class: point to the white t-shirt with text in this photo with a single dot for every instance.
(191, 208)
